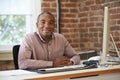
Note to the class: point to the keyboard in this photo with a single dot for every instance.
(63, 69)
(113, 59)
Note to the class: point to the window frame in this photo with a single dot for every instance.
(36, 9)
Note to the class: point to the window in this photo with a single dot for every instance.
(12, 29)
(17, 17)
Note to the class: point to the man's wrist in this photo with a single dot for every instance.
(72, 61)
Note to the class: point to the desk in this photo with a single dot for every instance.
(21, 74)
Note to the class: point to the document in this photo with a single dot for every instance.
(14, 72)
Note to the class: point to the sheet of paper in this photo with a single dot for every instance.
(14, 72)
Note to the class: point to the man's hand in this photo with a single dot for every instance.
(62, 61)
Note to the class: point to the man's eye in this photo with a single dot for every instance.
(51, 22)
(42, 22)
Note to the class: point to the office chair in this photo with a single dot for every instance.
(15, 55)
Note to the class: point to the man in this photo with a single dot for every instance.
(44, 48)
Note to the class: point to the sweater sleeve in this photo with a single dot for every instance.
(70, 52)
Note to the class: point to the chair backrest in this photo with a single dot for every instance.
(15, 55)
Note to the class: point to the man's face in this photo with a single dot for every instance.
(46, 25)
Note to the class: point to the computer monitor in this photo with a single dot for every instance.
(106, 40)
(106, 36)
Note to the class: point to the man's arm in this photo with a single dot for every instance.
(71, 53)
(62, 61)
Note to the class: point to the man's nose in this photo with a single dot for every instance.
(47, 24)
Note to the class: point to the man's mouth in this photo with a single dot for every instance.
(47, 30)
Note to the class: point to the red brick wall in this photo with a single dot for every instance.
(91, 16)
(82, 21)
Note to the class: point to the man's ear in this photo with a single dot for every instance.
(36, 24)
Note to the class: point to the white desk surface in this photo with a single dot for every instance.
(22, 74)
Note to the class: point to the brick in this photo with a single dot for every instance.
(46, 4)
(115, 28)
(64, 30)
(98, 45)
(67, 36)
(74, 1)
(71, 26)
(73, 20)
(48, 0)
(99, 1)
(90, 2)
(116, 39)
(93, 29)
(113, 22)
(84, 40)
(118, 45)
(90, 24)
(84, 9)
(62, 4)
(99, 24)
(64, 10)
(49, 9)
(53, 4)
(83, 14)
(70, 15)
(62, 25)
(94, 18)
(92, 34)
(73, 10)
(73, 35)
(71, 5)
(96, 7)
(81, 25)
(115, 16)
(118, 10)
(83, 35)
(64, 1)
(83, 30)
(62, 15)
(118, 21)
(113, 10)
(83, 19)
(95, 13)
(116, 34)
(64, 21)
(115, 4)
(76, 40)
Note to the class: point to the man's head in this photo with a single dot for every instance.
(45, 24)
